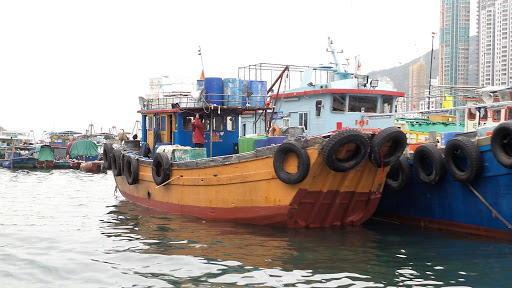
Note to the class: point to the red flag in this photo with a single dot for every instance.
(202, 75)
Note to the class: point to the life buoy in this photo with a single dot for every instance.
(429, 164)
(275, 131)
(161, 168)
(501, 144)
(399, 174)
(115, 161)
(340, 140)
(387, 146)
(107, 154)
(463, 159)
(302, 166)
(131, 169)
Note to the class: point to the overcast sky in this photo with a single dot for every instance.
(67, 64)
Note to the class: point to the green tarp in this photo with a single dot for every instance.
(45, 153)
(83, 148)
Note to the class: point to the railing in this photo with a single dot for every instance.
(186, 101)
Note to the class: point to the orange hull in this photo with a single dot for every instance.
(250, 192)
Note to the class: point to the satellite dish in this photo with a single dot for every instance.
(487, 97)
(504, 96)
(197, 94)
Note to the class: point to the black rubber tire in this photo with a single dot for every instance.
(462, 150)
(115, 160)
(399, 174)
(303, 163)
(429, 164)
(161, 168)
(339, 140)
(107, 154)
(398, 142)
(131, 169)
(501, 144)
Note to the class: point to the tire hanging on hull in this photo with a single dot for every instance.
(429, 164)
(399, 174)
(463, 159)
(338, 141)
(501, 144)
(302, 166)
(131, 169)
(391, 138)
(161, 168)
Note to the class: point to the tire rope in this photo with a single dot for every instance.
(494, 213)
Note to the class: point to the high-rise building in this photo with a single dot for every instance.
(494, 42)
(417, 86)
(454, 43)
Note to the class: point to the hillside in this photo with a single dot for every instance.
(400, 74)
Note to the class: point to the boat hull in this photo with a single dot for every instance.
(250, 192)
(454, 206)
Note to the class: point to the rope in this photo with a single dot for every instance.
(494, 213)
(382, 166)
(167, 182)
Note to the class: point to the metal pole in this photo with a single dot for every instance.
(430, 77)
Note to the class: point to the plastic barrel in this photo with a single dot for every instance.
(213, 87)
(259, 93)
(232, 92)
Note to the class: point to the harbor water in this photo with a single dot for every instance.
(67, 228)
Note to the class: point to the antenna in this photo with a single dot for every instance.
(202, 66)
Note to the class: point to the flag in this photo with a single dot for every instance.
(202, 75)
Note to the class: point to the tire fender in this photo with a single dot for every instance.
(399, 174)
(337, 142)
(429, 164)
(115, 161)
(161, 168)
(391, 142)
(463, 159)
(501, 144)
(303, 163)
(131, 169)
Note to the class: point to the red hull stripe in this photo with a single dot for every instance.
(446, 225)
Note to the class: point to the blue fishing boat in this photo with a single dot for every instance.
(460, 181)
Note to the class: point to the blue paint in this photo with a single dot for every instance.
(259, 93)
(214, 89)
(454, 201)
(232, 92)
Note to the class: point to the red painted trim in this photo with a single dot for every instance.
(340, 91)
(446, 225)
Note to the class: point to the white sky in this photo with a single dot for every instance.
(67, 64)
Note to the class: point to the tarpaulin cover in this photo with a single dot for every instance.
(83, 148)
(45, 153)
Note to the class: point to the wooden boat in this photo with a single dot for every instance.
(331, 179)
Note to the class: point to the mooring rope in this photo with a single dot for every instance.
(494, 213)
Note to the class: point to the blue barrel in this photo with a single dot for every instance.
(200, 84)
(275, 140)
(232, 92)
(259, 93)
(213, 87)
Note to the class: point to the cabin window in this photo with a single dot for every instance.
(187, 123)
(318, 108)
(366, 104)
(218, 123)
(163, 122)
(472, 114)
(508, 113)
(496, 115)
(303, 120)
(286, 122)
(387, 104)
(231, 123)
(339, 102)
(244, 129)
(483, 114)
(150, 123)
